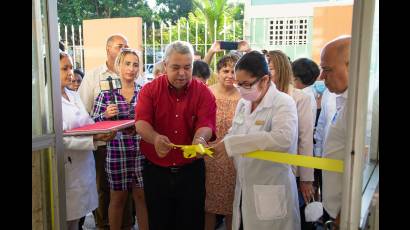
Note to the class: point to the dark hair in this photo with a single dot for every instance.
(79, 72)
(201, 69)
(61, 46)
(306, 70)
(64, 54)
(253, 62)
(225, 60)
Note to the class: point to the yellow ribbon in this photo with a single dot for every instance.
(298, 160)
(190, 151)
(328, 164)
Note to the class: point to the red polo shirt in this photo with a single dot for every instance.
(176, 115)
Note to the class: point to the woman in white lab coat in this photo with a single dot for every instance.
(265, 119)
(80, 181)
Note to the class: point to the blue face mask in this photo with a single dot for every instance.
(319, 87)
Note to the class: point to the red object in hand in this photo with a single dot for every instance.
(99, 127)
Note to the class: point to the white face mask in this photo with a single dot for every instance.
(250, 94)
(313, 211)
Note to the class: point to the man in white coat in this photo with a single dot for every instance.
(265, 119)
(334, 62)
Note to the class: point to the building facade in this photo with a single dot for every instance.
(297, 27)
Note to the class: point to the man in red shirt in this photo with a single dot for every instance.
(174, 108)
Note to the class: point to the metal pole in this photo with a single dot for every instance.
(224, 30)
(66, 37)
(153, 43)
(187, 31)
(81, 48)
(72, 39)
(59, 35)
(234, 28)
(145, 44)
(243, 29)
(206, 33)
(179, 31)
(215, 25)
(170, 33)
(196, 35)
(161, 36)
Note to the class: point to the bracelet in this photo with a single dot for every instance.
(201, 138)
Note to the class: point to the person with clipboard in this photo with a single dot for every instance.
(81, 188)
(124, 160)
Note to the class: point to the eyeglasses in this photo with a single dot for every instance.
(74, 81)
(121, 46)
(246, 85)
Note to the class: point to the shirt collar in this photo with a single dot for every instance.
(172, 88)
(341, 99)
(104, 69)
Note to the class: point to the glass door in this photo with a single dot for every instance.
(48, 190)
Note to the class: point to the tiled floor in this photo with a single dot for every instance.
(90, 225)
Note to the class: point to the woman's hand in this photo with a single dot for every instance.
(216, 47)
(219, 150)
(111, 111)
(243, 46)
(104, 136)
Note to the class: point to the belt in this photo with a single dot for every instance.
(175, 169)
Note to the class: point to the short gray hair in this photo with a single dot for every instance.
(114, 36)
(180, 47)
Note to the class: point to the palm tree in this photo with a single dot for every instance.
(212, 10)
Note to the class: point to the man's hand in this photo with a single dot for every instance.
(162, 145)
(337, 221)
(243, 46)
(202, 141)
(104, 136)
(306, 188)
(112, 110)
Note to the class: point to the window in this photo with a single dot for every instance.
(288, 31)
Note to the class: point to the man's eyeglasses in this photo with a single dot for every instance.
(246, 85)
(74, 81)
(120, 46)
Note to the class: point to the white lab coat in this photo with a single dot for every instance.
(80, 180)
(269, 192)
(309, 91)
(335, 148)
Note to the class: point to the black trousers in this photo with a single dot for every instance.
(175, 197)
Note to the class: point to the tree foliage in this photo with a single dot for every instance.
(172, 10)
(73, 12)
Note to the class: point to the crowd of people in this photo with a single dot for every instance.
(253, 101)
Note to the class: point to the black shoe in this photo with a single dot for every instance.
(219, 221)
